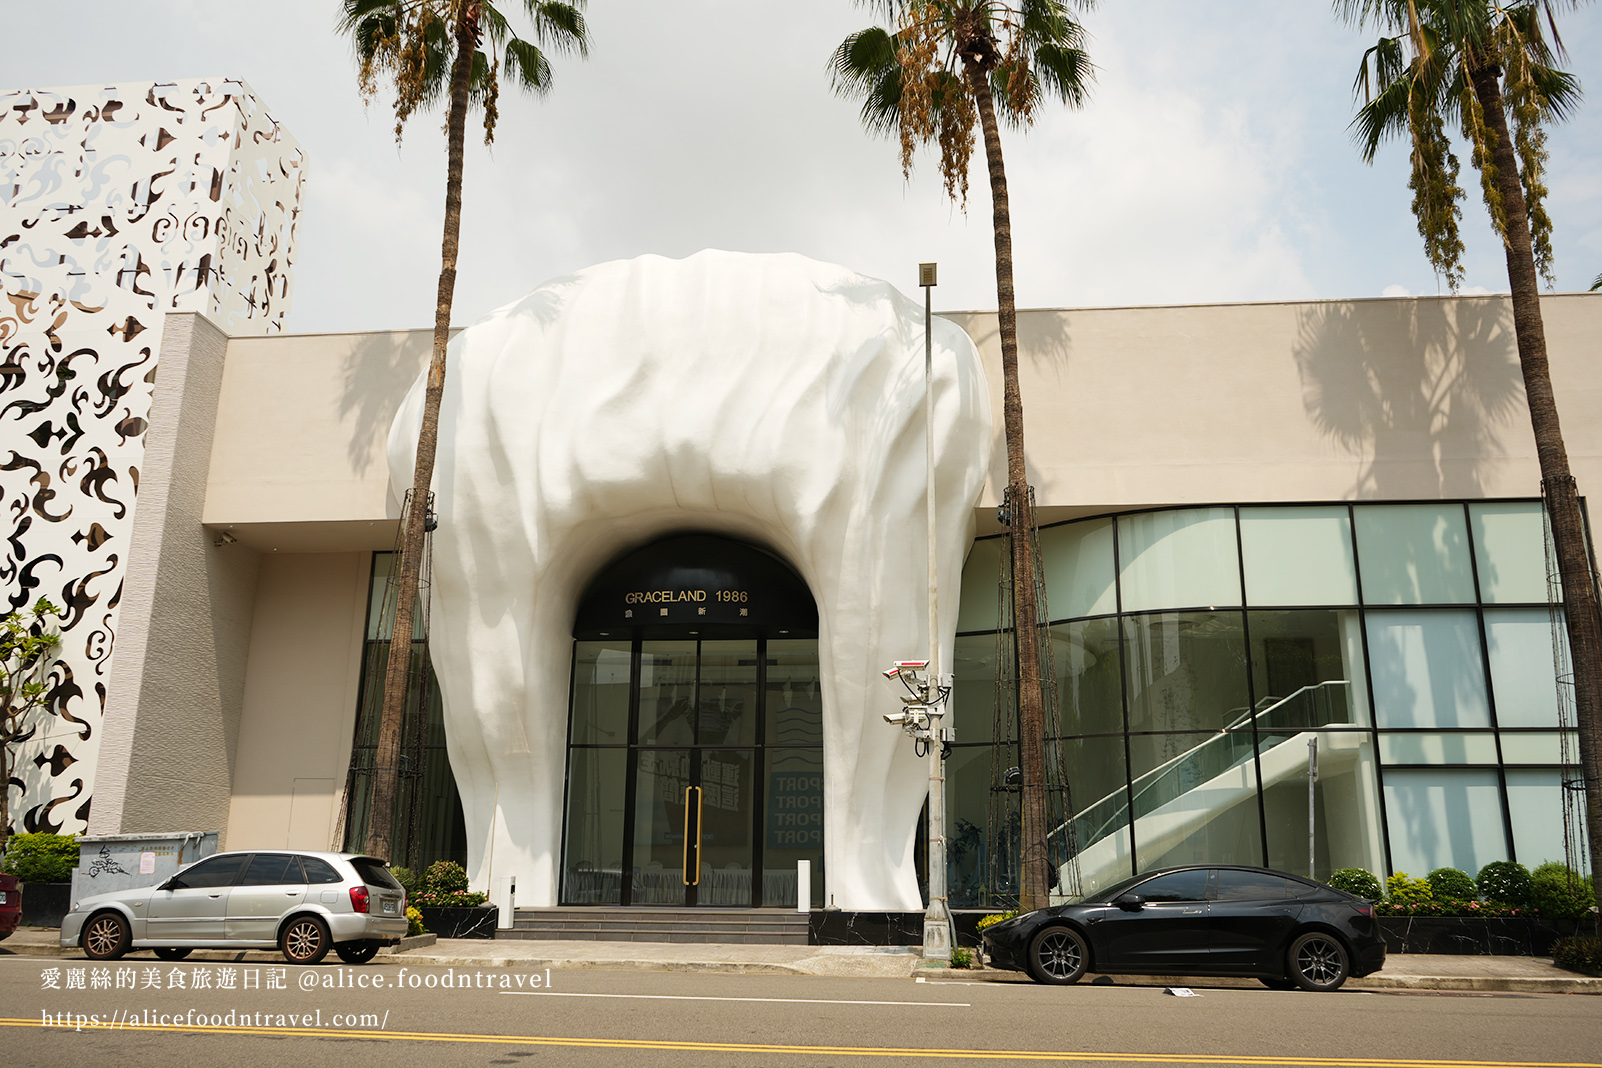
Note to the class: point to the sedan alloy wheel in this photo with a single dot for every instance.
(1318, 962)
(105, 937)
(1058, 955)
(304, 941)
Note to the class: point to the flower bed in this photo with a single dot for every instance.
(1522, 913)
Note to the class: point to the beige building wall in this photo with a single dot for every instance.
(1329, 400)
(1413, 397)
(300, 693)
(298, 463)
(173, 694)
(1125, 408)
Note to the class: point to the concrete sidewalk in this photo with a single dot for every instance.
(1402, 971)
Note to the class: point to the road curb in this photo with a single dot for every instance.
(560, 964)
(1484, 984)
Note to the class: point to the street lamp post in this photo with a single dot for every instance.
(937, 918)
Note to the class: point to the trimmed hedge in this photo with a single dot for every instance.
(1402, 889)
(1504, 880)
(1453, 885)
(1557, 891)
(1357, 881)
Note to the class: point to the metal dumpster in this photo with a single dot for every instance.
(108, 862)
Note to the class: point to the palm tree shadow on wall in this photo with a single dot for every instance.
(1422, 390)
(380, 368)
(1426, 392)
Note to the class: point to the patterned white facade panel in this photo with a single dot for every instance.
(118, 204)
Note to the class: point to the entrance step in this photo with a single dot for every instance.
(736, 926)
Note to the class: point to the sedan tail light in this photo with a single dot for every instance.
(1366, 909)
(359, 898)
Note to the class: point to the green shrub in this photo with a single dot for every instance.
(1403, 889)
(408, 880)
(1357, 881)
(1504, 880)
(445, 877)
(414, 923)
(41, 858)
(445, 886)
(1578, 954)
(1558, 892)
(961, 957)
(994, 918)
(1452, 885)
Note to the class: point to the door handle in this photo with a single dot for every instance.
(688, 867)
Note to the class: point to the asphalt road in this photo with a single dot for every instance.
(144, 1011)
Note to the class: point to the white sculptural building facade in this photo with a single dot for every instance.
(680, 532)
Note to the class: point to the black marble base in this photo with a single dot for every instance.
(1516, 936)
(839, 927)
(479, 922)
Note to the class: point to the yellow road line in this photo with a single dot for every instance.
(832, 1051)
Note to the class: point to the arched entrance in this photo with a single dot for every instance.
(695, 732)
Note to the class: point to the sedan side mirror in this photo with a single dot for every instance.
(170, 884)
(1131, 902)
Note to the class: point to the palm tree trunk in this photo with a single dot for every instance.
(1035, 891)
(386, 760)
(1580, 607)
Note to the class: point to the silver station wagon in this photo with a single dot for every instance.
(303, 903)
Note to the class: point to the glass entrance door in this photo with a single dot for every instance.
(694, 807)
(692, 827)
(695, 773)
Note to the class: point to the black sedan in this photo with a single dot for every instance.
(1203, 920)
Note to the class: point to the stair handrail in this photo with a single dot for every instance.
(1228, 730)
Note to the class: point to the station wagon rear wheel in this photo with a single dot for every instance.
(105, 936)
(357, 952)
(1058, 955)
(305, 940)
(1318, 961)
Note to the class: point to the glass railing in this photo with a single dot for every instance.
(1277, 720)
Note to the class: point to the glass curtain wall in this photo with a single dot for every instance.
(428, 810)
(1208, 660)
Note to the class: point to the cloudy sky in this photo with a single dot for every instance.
(1212, 163)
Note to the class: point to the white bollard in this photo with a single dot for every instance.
(505, 900)
(803, 886)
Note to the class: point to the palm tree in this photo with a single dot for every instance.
(943, 64)
(1480, 63)
(430, 48)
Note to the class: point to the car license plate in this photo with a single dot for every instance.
(389, 907)
(3, 898)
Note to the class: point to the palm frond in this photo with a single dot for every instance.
(865, 67)
(1387, 114)
(493, 25)
(526, 66)
(560, 27)
(1066, 73)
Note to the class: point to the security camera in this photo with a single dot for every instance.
(898, 717)
(911, 665)
(891, 673)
